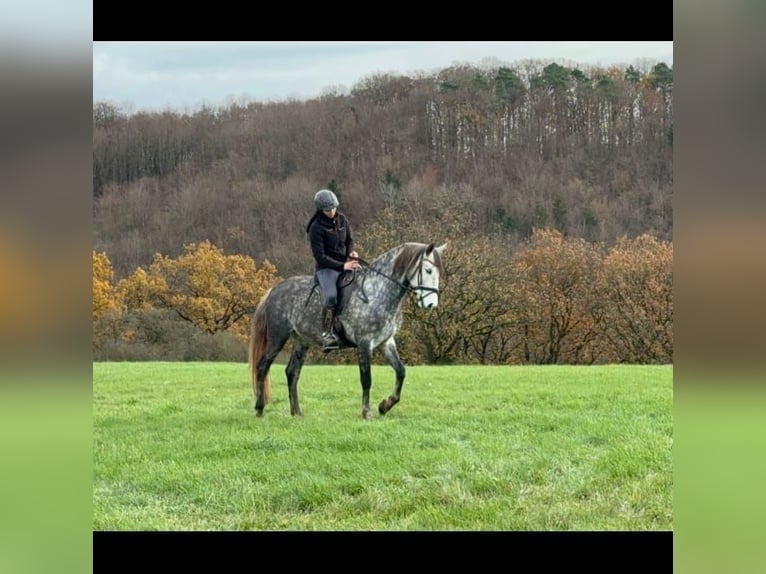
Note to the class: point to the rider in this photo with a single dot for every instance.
(332, 245)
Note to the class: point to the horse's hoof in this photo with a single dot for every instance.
(366, 415)
(259, 413)
(382, 408)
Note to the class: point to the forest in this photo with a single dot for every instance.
(551, 183)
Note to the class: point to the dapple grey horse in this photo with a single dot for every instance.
(370, 316)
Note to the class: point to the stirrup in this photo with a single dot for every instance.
(329, 342)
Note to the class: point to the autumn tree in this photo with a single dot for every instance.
(470, 324)
(136, 291)
(107, 302)
(211, 290)
(104, 292)
(472, 321)
(553, 295)
(638, 300)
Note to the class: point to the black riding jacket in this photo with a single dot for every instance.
(331, 240)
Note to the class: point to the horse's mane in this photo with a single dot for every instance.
(408, 256)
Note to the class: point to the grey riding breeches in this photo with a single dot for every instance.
(328, 283)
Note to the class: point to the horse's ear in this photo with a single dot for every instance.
(440, 249)
(430, 248)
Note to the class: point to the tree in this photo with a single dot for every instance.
(107, 302)
(472, 321)
(104, 293)
(510, 92)
(508, 86)
(551, 88)
(638, 300)
(137, 289)
(554, 293)
(662, 78)
(213, 291)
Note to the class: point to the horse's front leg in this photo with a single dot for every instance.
(364, 351)
(392, 356)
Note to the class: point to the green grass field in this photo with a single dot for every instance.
(176, 446)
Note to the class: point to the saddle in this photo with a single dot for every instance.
(345, 279)
(344, 287)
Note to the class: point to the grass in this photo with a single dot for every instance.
(176, 446)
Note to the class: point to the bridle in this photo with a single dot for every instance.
(405, 286)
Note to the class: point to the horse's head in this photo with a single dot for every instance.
(425, 278)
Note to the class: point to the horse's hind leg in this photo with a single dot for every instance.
(273, 348)
(392, 356)
(293, 371)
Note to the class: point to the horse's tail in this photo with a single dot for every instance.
(257, 348)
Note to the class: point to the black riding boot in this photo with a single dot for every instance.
(329, 339)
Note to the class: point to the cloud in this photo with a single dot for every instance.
(179, 75)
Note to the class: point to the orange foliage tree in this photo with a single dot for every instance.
(213, 291)
(554, 294)
(108, 306)
(638, 300)
(105, 296)
(136, 291)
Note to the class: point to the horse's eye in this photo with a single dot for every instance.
(429, 271)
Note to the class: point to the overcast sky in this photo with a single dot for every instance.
(183, 76)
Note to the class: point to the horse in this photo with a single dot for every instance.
(369, 315)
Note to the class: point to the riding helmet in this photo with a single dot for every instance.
(325, 199)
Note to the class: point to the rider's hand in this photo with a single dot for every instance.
(349, 265)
